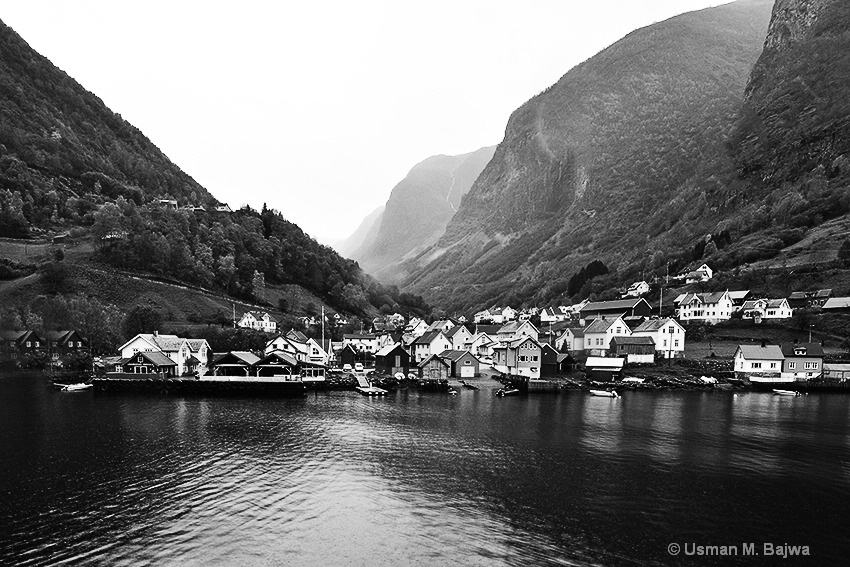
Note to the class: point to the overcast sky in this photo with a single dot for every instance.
(320, 108)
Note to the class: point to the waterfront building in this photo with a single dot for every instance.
(598, 335)
(462, 363)
(759, 363)
(802, 360)
(636, 350)
(392, 359)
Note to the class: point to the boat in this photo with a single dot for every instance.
(786, 393)
(508, 392)
(604, 393)
(76, 387)
(468, 386)
(452, 392)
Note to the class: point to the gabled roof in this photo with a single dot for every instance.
(739, 295)
(602, 325)
(823, 293)
(751, 303)
(456, 355)
(238, 357)
(705, 297)
(156, 358)
(361, 336)
(491, 330)
(297, 335)
(433, 357)
(837, 303)
(798, 295)
(757, 352)
(427, 338)
(276, 356)
(680, 297)
(388, 349)
(196, 344)
(810, 349)
(454, 330)
(613, 305)
(652, 325)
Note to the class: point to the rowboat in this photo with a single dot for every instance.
(604, 393)
(468, 386)
(786, 393)
(76, 387)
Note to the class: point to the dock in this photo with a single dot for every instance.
(365, 388)
(208, 385)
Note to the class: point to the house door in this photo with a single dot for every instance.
(467, 371)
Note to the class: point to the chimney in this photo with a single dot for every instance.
(763, 343)
(156, 333)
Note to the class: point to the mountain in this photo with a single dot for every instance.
(365, 233)
(68, 164)
(418, 210)
(797, 109)
(625, 160)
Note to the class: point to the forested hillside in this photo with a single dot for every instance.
(70, 165)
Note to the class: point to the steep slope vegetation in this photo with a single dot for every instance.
(418, 210)
(68, 163)
(618, 161)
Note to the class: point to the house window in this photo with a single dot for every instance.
(29, 344)
(676, 343)
(773, 365)
(792, 365)
(140, 360)
(811, 366)
(756, 365)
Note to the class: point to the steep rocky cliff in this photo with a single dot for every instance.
(797, 108)
(618, 151)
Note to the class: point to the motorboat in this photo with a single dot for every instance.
(76, 387)
(604, 393)
(786, 393)
(508, 392)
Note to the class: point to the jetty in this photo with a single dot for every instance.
(207, 385)
(367, 389)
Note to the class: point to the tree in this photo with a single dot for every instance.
(141, 319)
(108, 220)
(283, 305)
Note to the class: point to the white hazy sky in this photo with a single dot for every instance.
(319, 108)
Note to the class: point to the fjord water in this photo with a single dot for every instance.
(418, 478)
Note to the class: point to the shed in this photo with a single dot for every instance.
(434, 368)
(636, 350)
(462, 363)
(392, 359)
(604, 369)
(149, 362)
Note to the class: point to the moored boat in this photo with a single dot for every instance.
(786, 392)
(604, 393)
(468, 386)
(76, 387)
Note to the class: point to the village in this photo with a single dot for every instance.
(623, 342)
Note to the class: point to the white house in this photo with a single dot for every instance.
(707, 307)
(573, 338)
(598, 335)
(668, 334)
(760, 363)
(516, 329)
(758, 309)
(523, 357)
(431, 343)
(553, 315)
(701, 274)
(459, 336)
(637, 289)
(258, 320)
(481, 346)
(416, 327)
(361, 342)
(509, 314)
(189, 356)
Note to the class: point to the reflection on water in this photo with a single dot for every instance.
(416, 478)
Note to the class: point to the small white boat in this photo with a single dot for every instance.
(452, 392)
(76, 387)
(786, 393)
(708, 380)
(633, 380)
(604, 394)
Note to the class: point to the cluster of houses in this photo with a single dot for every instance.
(173, 205)
(289, 355)
(58, 346)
